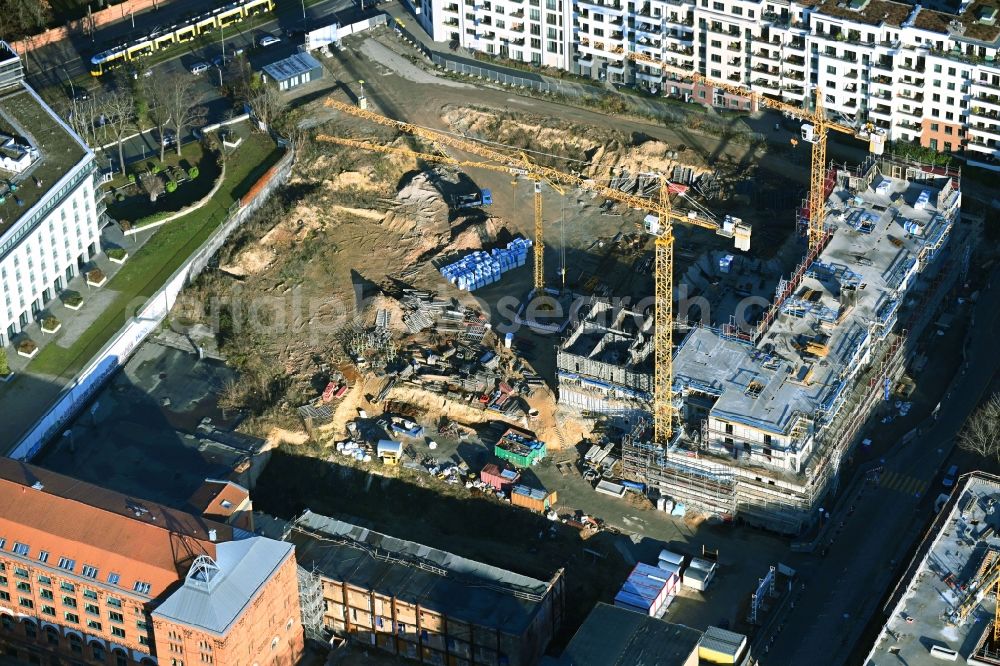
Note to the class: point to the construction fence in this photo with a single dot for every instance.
(117, 351)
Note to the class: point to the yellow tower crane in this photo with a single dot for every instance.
(814, 131)
(661, 226)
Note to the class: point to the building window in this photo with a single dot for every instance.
(89, 571)
(90, 594)
(21, 548)
(49, 610)
(114, 602)
(113, 578)
(24, 587)
(20, 572)
(27, 603)
(47, 594)
(69, 602)
(92, 609)
(141, 587)
(116, 617)
(94, 624)
(72, 618)
(118, 631)
(44, 580)
(67, 564)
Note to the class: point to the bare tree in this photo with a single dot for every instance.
(118, 109)
(981, 434)
(267, 103)
(83, 115)
(158, 111)
(153, 185)
(182, 100)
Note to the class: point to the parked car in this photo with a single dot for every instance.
(169, 138)
(221, 61)
(267, 40)
(949, 477)
(199, 67)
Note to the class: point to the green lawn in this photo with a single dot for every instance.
(148, 269)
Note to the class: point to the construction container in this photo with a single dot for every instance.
(671, 557)
(519, 448)
(647, 590)
(608, 488)
(389, 451)
(532, 498)
(697, 579)
(499, 479)
(721, 646)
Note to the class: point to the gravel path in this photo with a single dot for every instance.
(403, 67)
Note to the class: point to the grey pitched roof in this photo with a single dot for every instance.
(214, 597)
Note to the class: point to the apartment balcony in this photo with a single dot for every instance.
(617, 20)
(983, 131)
(913, 97)
(518, 41)
(681, 50)
(983, 147)
(913, 67)
(884, 66)
(617, 36)
(882, 80)
(911, 82)
(735, 62)
(764, 84)
(616, 68)
(917, 113)
(649, 43)
(985, 85)
(517, 14)
(453, 8)
(647, 11)
(909, 125)
(986, 103)
(517, 27)
(764, 70)
(648, 30)
(797, 61)
(795, 76)
(452, 23)
(735, 46)
(796, 44)
(735, 77)
(683, 37)
(614, 5)
(767, 55)
(649, 77)
(883, 95)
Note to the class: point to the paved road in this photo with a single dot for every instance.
(55, 64)
(844, 588)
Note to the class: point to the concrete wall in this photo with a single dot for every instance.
(117, 351)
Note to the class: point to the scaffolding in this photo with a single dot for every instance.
(311, 600)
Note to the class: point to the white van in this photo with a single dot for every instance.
(199, 68)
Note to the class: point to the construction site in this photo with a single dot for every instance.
(945, 607)
(769, 409)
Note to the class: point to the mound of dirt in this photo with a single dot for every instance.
(526, 131)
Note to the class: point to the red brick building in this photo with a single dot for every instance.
(91, 576)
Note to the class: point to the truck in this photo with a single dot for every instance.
(483, 197)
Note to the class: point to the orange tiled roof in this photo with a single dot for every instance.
(138, 540)
(218, 498)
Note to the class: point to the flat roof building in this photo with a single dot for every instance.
(419, 602)
(293, 71)
(945, 606)
(94, 576)
(770, 410)
(49, 206)
(614, 636)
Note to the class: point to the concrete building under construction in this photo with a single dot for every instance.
(770, 411)
(605, 362)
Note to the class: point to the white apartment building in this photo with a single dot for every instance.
(924, 75)
(48, 211)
